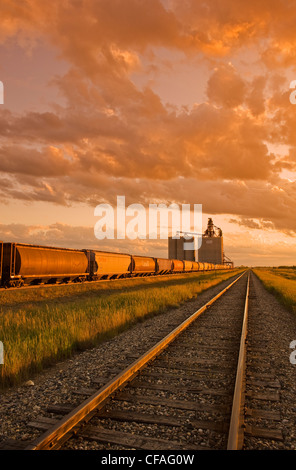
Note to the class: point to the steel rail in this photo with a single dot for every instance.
(236, 429)
(69, 425)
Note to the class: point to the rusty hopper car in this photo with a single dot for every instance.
(163, 266)
(32, 264)
(187, 265)
(177, 266)
(143, 266)
(105, 265)
(195, 266)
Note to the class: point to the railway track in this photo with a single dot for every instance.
(197, 388)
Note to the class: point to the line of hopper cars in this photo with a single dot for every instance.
(23, 264)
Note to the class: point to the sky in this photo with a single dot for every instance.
(160, 101)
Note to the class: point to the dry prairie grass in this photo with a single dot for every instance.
(281, 283)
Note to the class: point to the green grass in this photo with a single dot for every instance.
(281, 282)
(39, 327)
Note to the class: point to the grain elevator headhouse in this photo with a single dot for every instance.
(211, 250)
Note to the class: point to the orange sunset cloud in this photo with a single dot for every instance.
(158, 100)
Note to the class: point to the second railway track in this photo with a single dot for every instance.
(198, 388)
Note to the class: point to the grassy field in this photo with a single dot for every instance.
(39, 327)
(281, 282)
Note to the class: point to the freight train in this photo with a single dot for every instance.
(22, 264)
